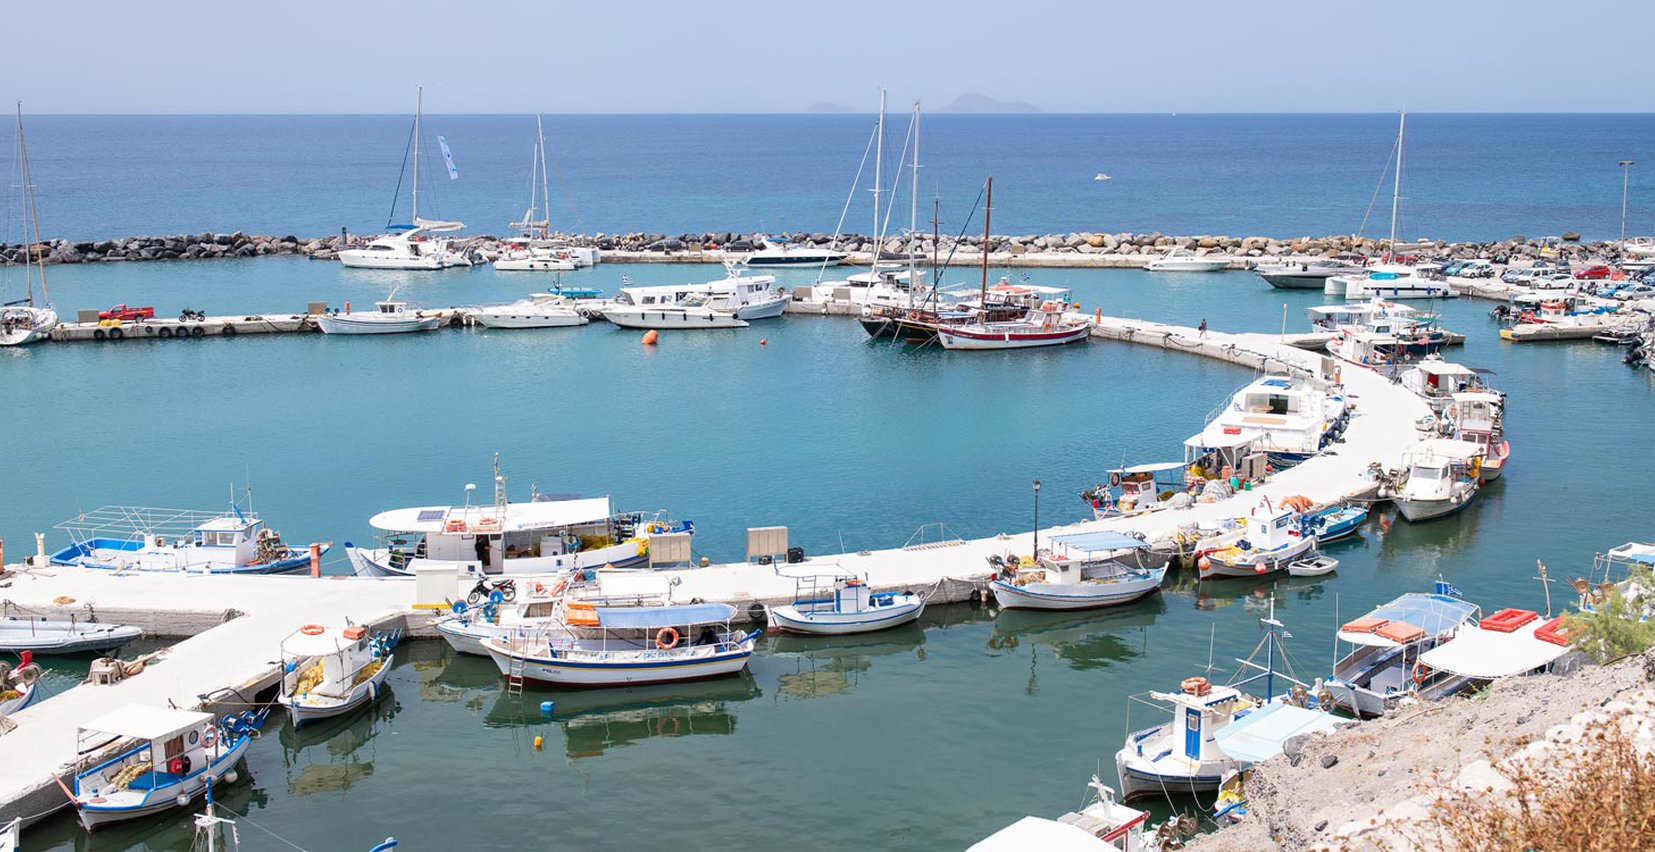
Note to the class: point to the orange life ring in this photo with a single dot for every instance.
(457, 525)
(537, 588)
(1421, 671)
(210, 738)
(1114, 479)
(313, 630)
(1196, 686)
(667, 639)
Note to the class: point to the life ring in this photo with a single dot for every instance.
(1114, 479)
(667, 639)
(210, 738)
(537, 589)
(455, 525)
(1421, 671)
(1196, 686)
(313, 630)
(913, 315)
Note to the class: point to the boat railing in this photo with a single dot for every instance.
(135, 521)
(925, 539)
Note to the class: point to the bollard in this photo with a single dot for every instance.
(315, 559)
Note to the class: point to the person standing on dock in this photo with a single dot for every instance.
(1203, 328)
(481, 547)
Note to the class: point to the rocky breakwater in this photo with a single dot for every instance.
(176, 247)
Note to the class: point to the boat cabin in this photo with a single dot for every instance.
(1076, 557)
(513, 531)
(1199, 711)
(1476, 413)
(1269, 528)
(160, 747)
(1136, 489)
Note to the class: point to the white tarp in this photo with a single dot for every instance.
(146, 722)
(1488, 654)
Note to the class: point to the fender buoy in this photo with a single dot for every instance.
(116, 334)
(1421, 672)
(98, 334)
(209, 739)
(227, 330)
(667, 639)
(198, 331)
(651, 336)
(313, 630)
(165, 332)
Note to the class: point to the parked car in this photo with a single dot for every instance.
(127, 314)
(1595, 272)
(1555, 280)
(1635, 291)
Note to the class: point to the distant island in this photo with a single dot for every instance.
(829, 108)
(977, 102)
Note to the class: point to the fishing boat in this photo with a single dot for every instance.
(839, 603)
(64, 636)
(328, 672)
(1080, 571)
(391, 317)
(22, 321)
(791, 255)
(145, 538)
(632, 645)
(144, 760)
(1333, 523)
(409, 245)
(1477, 417)
(534, 312)
(1388, 341)
(1508, 643)
(1136, 490)
(1101, 825)
(1437, 381)
(1386, 643)
(1291, 418)
(1306, 273)
(1265, 542)
(19, 687)
(1439, 477)
(1185, 260)
(465, 628)
(546, 535)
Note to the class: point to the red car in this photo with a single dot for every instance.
(126, 314)
(1592, 273)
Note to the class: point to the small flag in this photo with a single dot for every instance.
(625, 280)
(448, 159)
(1025, 277)
(1446, 588)
(1287, 634)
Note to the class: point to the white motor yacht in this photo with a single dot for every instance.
(1185, 260)
(1290, 417)
(778, 255)
(533, 312)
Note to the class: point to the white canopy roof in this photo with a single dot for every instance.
(147, 722)
(1156, 467)
(1488, 654)
(1215, 438)
(1478, 396)
(543, 514)
(329, 641)
(1048, 835)
(1445, 448)
(1435, 367)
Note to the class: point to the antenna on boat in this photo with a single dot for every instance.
(1545, 583)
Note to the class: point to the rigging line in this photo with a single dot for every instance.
(244, 818)
(896, 183)
(845, 211)
(936, 279)
(568, 198)
(1377, 187)
(401, 170)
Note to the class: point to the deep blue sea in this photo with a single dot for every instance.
(1465, 177)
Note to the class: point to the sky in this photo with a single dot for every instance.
(302, 56)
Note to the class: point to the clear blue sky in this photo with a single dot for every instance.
(188, 56)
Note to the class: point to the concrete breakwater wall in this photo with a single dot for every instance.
(1071, 249)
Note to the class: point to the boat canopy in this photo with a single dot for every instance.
(1259, 735)
(1488, 654)
(1633, 551)
(329, 641)
(1478, 396)
(1214, 437)
(133, 521)
(1436, 367)
(655, 617)
(543, 514)
(146, 722)
(1435, 614)
(1157, 467)
(1032, 832)
(1098, 542)
(1445, 448)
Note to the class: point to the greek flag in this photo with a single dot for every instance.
(448, 159)
(1025, 277)
(1446, 588)
(625, 280)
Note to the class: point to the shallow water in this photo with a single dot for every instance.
(928, 737)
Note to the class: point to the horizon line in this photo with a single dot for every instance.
(853, 114)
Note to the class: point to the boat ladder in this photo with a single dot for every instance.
(514, 678)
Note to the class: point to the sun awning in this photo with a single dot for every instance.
(1488, 654)
(1048, 835)
(301, 644)
(144, 722)
(542, 514)
(1157, 467)
(1097, 542)
(1435, 614)
(654, 617)
(1259, 735)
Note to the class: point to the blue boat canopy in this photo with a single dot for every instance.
(1259, 735)
(1435, 614)
(655, 617)
(1097, 542)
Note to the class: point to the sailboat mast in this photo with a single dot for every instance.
(419, 103)
(878, 180)
(988, 209)
(1396, 189)
(913, 169)
(34, 218)
(545, 185)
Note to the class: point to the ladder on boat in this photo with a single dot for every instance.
(514, 677)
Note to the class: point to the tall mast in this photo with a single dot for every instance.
(34, 219)
(1396, 190)
(878, 180)
(419, 102)
(988, 208)
(913, 212)
(545, 187)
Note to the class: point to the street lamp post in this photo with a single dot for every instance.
(1036, 553)
(1626, 176)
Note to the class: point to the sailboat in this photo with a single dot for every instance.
(22, 321)
(1046, 325)
(1391, 280)
(533, 252)
(410, 246)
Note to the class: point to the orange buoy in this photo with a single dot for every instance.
(651, 336)
(764, 341)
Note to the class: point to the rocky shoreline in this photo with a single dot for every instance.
(1071, 249)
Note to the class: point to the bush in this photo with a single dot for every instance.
(1618, 626)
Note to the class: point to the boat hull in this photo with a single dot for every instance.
(95, 815)
(1074, 596)
(378, 563)
(971, 340)
(561, 672)
(1187, 265)
(534, 264)
(671, 319)
(64, 637)
(304, 710)
(1255, 564)
(790, 619)
(1139, 777)
(762, 310)
(795, 261)
(1417, 511)
(529, 320)
(347, 324)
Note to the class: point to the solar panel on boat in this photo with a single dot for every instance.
(432, 514)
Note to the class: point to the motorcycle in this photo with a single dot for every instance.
(506, 589)
(189, 315)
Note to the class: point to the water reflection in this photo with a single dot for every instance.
(819, 666)
(596, 720)
(1086, 640)
(168, 832)
(332, 755)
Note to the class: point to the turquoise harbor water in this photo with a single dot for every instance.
(924, 738)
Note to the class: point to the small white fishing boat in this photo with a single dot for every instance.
(19, 687)
(1185, 260)
(22, 321)
(1267, 541)
(465, 628)
(633, 645)
(1386, 644)
(1439, 477)
(1080, 571)
(1314, 566)
(1102, 825)
(1291, 418)
(64, 636)
(532, 312)
(1436, 380)
(691, 313)
(145, 760)
(1478, 417)
(146, 538)
(1136, 490)
(330, 671)
(840, 603)
(779, 255)
(391, 318)
(1102, 176)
